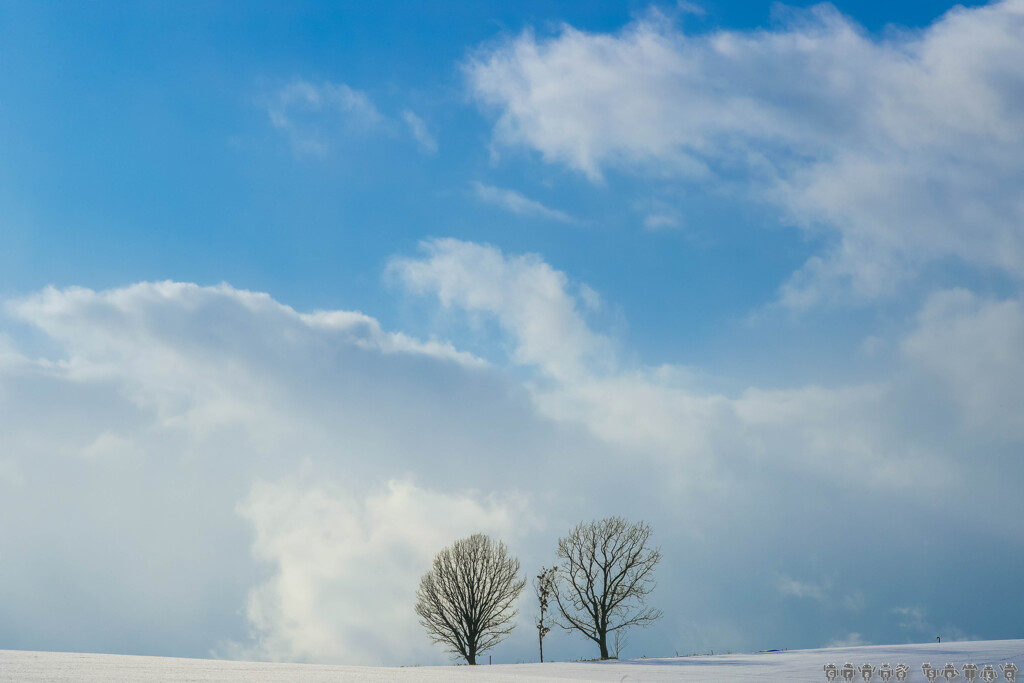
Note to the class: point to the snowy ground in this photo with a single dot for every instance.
(795, 666)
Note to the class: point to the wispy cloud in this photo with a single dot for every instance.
(849, 640)
(510, 200)
(690, 8)
(906, 150)
(912, 618)
(800, 589)
(660, 221)
(418, 128)
(312, 114)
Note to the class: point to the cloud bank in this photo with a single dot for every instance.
(208, 455)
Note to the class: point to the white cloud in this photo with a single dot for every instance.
(418, 128)
(347, 565)
(139, 335)
(800, 589)
(912, 618)
(590, 298)
(311, 115)
(127, 446)
(366, 332)
(525, 294)
(849, 640)
(838, 434)
(973, 348)
(510, 200)
(904, 150)
(110, 445)
(690, 8)
(660, 221)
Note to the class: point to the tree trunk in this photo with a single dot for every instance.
(471, 658)
(541, 648)
(603, 642)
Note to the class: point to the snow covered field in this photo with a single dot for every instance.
(796, 666)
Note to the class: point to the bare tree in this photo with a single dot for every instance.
(465, 600)
(606, 574)
(544, 586)
(621, 641)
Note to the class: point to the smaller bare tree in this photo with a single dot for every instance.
(606, 574)
(465, 602)
(544, 586)
(621, 641)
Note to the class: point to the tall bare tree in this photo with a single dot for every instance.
(606, 574)
(466, 600)
(544, 587)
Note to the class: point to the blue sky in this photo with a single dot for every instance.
(276, 279)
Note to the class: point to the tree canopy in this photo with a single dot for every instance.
(605, 576)
(465, 602)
